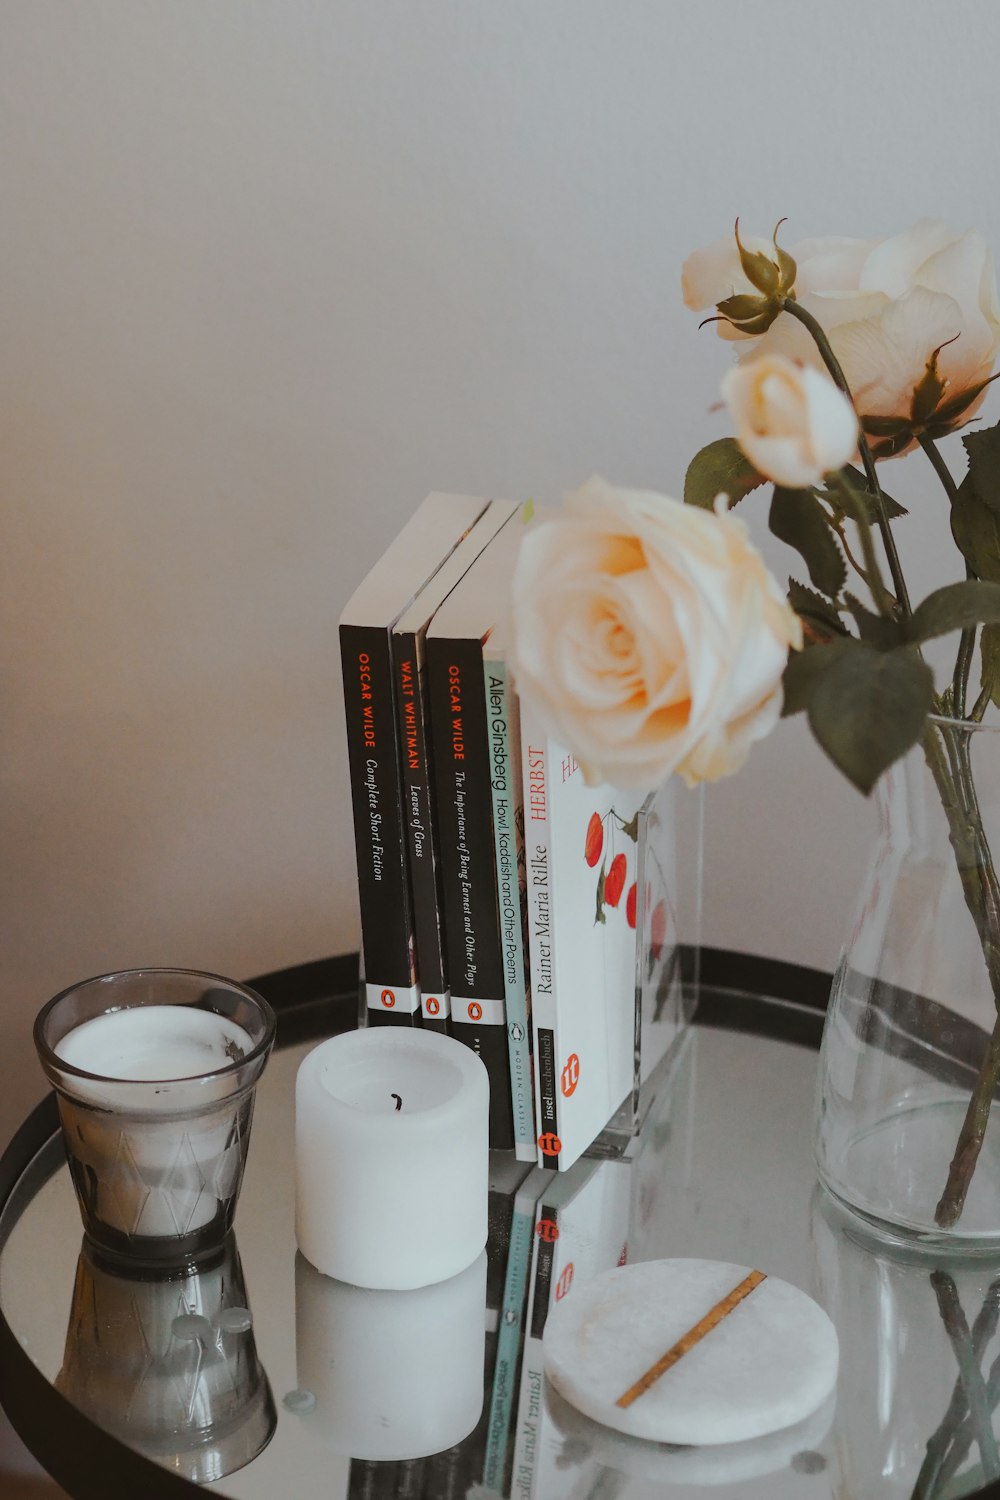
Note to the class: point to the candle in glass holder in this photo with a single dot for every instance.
(392, 1157)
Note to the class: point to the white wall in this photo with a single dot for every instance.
(272, 269)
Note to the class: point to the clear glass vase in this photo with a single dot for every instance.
(908, 1130)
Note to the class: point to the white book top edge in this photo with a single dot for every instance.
(454, 568)
(480, 603)
(412, 558)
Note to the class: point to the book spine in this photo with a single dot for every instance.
(529, 1406)
(511, 1334)
(541, 938)
(508, 843)
(391, 990)
(410, 687)
(463, 811)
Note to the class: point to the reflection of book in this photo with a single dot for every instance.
(371, 1480)
(408, 651)
(582, 846)
(464, 817)
(418, 551)
(450, 1475)
(581, 1229)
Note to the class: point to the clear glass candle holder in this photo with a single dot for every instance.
(154, 1072)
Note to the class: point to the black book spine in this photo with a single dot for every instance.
(373, 757)
(409, 680)
(549, 1143)
(464, 812)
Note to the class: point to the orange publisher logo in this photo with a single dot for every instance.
(475, 1011)
(433, 1006)
(564, 1283)
(570, 1076)
(547, 1230)
(388, 999)
(549, 1144)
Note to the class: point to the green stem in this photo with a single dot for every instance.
(970, 1374)
(967, 643)
(981, 890)
(876, 583)
(832, 363)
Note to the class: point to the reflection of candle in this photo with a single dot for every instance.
(169, 1364)
(392, 1157)
(169, 1049)
(395, 1375)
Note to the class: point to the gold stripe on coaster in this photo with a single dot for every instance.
(693, 1336)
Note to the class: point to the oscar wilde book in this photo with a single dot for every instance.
(581, 1229)
(504, 729)
(418, 551)
(582, 852)
(408, 654)
(463, 811)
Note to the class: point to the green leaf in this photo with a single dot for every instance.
(989, 655)
(631, 829)
(957, 606)
(812, 607)
(875, 629)
(805, 669)
(599, 915)
(859, 481)
(976, 530)
(983, 449)
(719, 469)
(798, 518)
(869, 707)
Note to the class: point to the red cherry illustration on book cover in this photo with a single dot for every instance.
(595, 840)
(657, 929)
(630, 901)
(615, 882)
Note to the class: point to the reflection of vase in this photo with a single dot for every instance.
(912, 1025)
(919, 1335)
(169, 1365)
(397, 1374)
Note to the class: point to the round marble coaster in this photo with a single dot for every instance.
(767, 1360)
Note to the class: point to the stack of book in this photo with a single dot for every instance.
(503, 899)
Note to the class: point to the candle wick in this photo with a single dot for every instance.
(399, 1102)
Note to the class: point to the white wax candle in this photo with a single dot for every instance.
(392, 1157)
(396, 1375)
(172, 1133)
(152, 1043)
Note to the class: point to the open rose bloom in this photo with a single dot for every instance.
(650, 635)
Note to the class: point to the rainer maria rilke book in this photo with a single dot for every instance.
(463, 813)
(411, 560)
(581, 848)
(409, 682)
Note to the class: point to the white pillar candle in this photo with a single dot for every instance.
(391, 1157)
(395, 1375)
(168, 1050)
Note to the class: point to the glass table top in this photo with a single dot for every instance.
(198, 1373)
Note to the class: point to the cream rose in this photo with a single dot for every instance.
(792, 422)
(886, 306)
(649, 635)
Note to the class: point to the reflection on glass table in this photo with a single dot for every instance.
(376, 1394)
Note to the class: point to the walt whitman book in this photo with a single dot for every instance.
(409, 679)
(412, 559)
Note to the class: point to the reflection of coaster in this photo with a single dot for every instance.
(712, 1464)
(691, 1352)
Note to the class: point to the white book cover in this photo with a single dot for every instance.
(582, 853)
